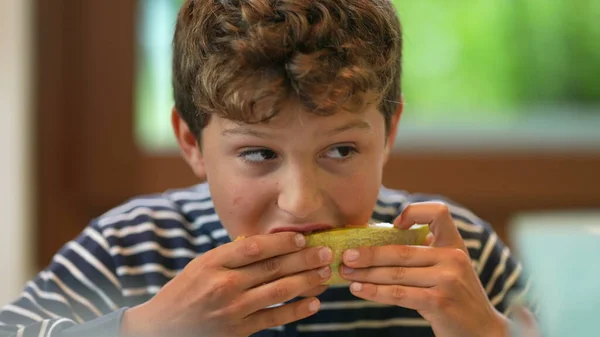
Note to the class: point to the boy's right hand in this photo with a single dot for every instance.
(226, 291)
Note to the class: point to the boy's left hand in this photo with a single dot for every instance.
(438, 281)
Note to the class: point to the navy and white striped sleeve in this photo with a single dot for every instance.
(78, 291)
(500, 272)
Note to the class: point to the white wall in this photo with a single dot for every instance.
(16, 241)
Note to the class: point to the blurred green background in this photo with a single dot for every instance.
(479, 73)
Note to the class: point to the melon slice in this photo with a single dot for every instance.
(380, 234)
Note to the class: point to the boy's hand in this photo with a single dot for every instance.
(438, 281)
(226, 291)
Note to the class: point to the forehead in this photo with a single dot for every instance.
(294, 117)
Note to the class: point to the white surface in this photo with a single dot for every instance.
(569, 129)
(560, 251)
(16, 243)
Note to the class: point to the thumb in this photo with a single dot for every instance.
(440, 221)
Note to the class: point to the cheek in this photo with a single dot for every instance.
(356, 200)
(240, 204)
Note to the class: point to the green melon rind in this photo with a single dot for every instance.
(339, 240)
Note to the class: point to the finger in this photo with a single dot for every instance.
(314, 292)
(392, 255)
(413, 277)
(440, 221)
(407, 297)
(283, 289)
(428, 240)
(255, 248)
(272, 317)
(279, 266)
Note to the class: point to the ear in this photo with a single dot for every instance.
(189, 145)
(391, 137)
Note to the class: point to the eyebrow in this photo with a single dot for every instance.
(245, 131)
(356, 124)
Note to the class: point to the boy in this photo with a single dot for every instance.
(290, 109)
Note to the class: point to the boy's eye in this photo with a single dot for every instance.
(258, 155)
(340, 152)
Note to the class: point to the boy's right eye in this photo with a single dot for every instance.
(258, 155)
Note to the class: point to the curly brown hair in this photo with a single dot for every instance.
(241, 59)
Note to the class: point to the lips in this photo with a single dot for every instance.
(304, 229)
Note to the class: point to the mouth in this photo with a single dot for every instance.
(312, 232)
(304, 229)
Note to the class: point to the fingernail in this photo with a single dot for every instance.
(300, 240)
(325, 254)
(347, 270)
(355, 286)
(313, 306)
(324, 272)
(351, 255)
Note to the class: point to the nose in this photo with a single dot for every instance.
(300, 194)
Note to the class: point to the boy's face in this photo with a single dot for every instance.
(298, 172)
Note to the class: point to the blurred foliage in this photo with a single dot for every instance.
(483, 57)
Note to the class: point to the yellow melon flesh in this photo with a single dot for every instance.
(341, 239)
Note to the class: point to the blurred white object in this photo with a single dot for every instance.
(561, 251)
(16, 101)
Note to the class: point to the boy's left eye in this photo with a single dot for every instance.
(340, 152)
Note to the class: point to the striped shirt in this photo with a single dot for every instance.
(125, 256)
